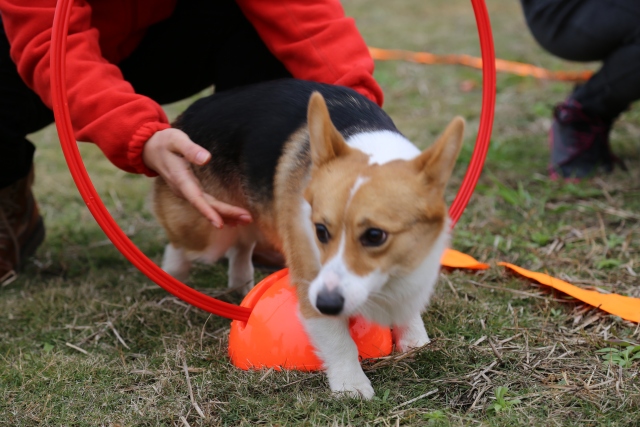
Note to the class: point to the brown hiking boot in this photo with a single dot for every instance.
(21, 228)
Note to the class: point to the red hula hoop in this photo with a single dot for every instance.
(144, 264)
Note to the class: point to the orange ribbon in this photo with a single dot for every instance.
(512, 67)
(455, 259)
(627, 308)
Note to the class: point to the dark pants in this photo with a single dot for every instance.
(593, 30)
(203, 43)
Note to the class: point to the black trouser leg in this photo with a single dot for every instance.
(21, 113)
(203, 43)
(616, 85)
(593, 30)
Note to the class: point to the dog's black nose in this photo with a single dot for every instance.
(330, 302)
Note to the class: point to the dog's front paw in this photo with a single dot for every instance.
(411, 336)
(405, 344)
(354, 385)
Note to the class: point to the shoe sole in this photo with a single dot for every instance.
(31, 245)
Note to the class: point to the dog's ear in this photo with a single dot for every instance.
(325, 140)
(436, 163)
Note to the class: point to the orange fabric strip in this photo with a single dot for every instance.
(626, 307)
(518, 68)
(455, 259)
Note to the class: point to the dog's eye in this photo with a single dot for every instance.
(373, 237)
(322, 233)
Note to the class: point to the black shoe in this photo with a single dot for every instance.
(579, 143)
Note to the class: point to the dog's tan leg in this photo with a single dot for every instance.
(176, 263)
(411, 334)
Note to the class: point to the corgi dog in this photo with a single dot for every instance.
(357, 210)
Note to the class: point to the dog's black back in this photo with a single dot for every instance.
(245, 129)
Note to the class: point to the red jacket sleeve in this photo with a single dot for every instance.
(315, 41)
(104, 107)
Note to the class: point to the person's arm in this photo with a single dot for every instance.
(104, 108)
(315, 41)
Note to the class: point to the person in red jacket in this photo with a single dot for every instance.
(125, 58)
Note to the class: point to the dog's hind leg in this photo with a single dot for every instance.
(200, 244)
(176, 263)
(240, 266)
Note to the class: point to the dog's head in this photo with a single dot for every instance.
(372, 221)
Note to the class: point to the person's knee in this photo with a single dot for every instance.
(557, 29)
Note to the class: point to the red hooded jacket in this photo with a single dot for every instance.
(313, 39)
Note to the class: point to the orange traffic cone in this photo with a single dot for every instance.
(274, 337)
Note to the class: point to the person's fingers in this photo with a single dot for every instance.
(229, 212)
(188, 149)
(219, 213)
(187, 186)
(206, 210)
(170, 152)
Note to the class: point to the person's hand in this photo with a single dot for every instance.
(169, 152)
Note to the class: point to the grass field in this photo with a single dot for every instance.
(505, 352)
